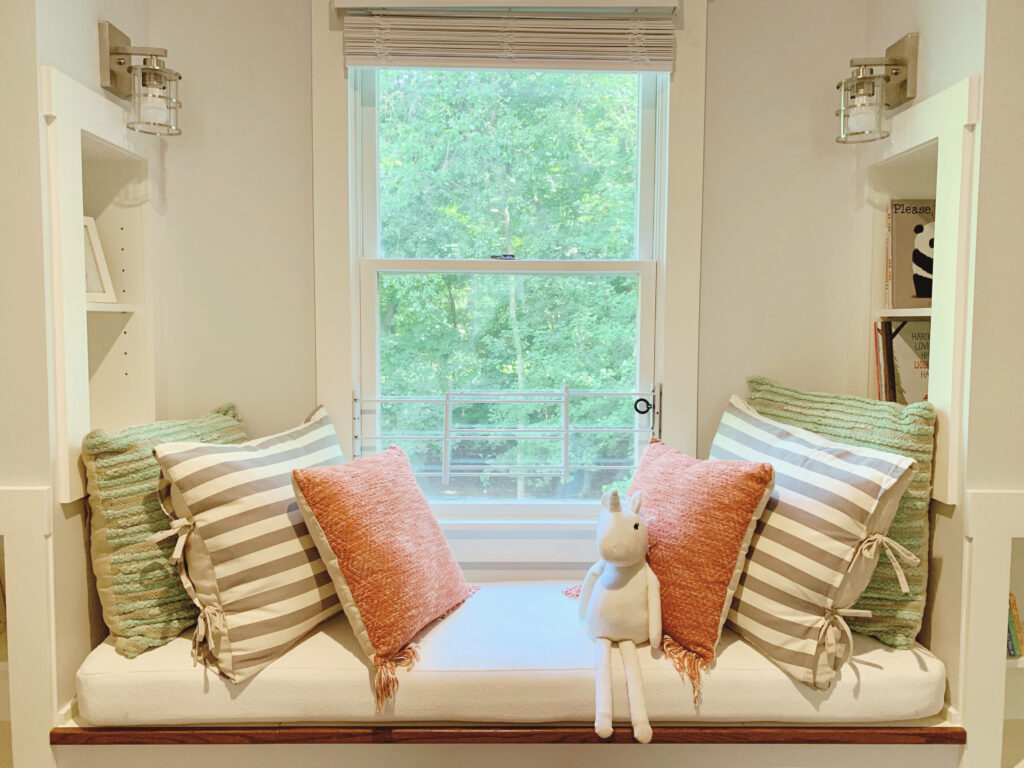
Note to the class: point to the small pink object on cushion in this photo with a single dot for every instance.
(700, 519)
(389, 561)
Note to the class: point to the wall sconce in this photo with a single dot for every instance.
(151, 86)
(874, 85)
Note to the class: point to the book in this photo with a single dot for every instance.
(884, 355)
(1015, 616)
(909, 354)
(910, 260)
(888, 257)
(879, 363)
(1013, 630)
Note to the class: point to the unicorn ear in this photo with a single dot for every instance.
(610, 501)
(635, 501)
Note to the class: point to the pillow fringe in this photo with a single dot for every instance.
(385, 682)
(688, 664)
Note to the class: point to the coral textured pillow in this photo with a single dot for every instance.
(389, 561)
(700, 519)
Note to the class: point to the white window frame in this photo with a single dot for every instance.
(365, 222)
(496, 548)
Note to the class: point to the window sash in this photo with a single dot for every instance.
(365, 188)
(370, 269)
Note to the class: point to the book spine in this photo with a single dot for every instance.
(1016, 619)
(888, 258)
(879, 365)
(888, 366)
(1013, 639)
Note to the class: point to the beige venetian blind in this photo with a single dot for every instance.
(528, 39)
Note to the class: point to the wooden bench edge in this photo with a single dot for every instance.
(681, 734)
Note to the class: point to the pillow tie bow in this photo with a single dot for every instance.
(208, 616)
(833, 619)
(896, 552)
(180, 527)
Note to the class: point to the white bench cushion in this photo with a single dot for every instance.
(514, 653)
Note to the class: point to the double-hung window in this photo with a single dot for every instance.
(508, 227)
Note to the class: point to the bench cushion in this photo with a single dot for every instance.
(514, 653)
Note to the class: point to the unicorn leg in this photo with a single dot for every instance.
(603, 687)
(635, 691)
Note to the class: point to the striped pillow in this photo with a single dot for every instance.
(817, 542)
(896, 598)
(248, 560)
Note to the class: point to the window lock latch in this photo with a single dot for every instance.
(504, 256)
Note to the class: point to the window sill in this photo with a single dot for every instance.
(528, 544)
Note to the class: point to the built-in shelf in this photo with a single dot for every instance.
(96, 306)
(103, 370)
(1017, 663)
(912, 313)
(930, 155)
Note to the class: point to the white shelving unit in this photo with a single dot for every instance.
(103, 358)
(931, 156)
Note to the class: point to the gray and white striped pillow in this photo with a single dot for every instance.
(817, 543)
(244, 552)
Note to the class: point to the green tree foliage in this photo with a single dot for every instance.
(542, 165)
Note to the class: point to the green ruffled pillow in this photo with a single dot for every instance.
(144, 603)
(907, 430)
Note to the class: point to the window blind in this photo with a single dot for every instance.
(631, 42)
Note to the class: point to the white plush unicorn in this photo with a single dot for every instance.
(621, 603)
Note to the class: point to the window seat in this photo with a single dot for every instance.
(513, 655)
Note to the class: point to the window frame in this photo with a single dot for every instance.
(523, 548)
(650, 201)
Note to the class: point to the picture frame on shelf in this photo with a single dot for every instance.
(910, 257)
(98, 285)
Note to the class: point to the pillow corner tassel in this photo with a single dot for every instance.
(688, 664)
(385, 682)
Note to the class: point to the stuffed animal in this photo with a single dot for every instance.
(621, 603)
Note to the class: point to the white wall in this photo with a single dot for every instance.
(781, 277)
(235, 277)
(67, 37)
(25, 405)
(952, 37)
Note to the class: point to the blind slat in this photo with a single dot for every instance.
(510, 41)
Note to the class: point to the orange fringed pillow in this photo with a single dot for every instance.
(389, 561)
(700, 517)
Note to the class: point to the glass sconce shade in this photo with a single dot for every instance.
(861, 102)
(154, 104)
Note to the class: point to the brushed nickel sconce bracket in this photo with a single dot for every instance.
(116, 51)
(900, 69)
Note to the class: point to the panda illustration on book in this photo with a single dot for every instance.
(923, 259)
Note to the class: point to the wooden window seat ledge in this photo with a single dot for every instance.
(552, 734)
(512, 664)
